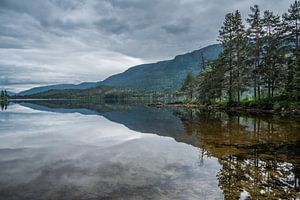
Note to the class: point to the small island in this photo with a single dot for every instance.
(4, 97)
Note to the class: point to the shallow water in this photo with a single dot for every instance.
(55, 150)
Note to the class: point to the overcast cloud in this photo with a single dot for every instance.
(70, 41)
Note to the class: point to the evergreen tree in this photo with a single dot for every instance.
(254, 48)
(270, 71)
(239, 42)
(2, 95)
(291, 35)
(292, 19)
(226, 38)
(232, 36)
(189, 85)
(210, 82)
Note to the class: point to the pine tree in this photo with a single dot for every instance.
(226, 38)
(189, 85)
(271, 24)
(2, 95)
(232, 36)
(210, 82)
(254, 47)
(292, 33)
(239, 42)
(292, 18)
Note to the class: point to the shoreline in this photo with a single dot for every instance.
(20, 100)
(236, 110)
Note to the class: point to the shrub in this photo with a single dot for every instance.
(245, 103)
(276, 106)
(293, 106)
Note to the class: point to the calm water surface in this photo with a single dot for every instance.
(67, 150)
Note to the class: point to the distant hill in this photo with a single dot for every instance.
(161, 76)
(164, 75)
(10, 93)
(96, 94)
(42, 89)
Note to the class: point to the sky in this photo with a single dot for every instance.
(46, 42)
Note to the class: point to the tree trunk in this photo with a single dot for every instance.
(258, 91)
(238, 86)
(255, 85)
(256, 64)
(297, 35)
(230, 86)
(269, 88)
(230, 76)
(272, 88)
(238, 73)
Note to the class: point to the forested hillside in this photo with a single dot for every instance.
(165, 75)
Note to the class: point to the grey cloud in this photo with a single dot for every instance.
(63, 24)
(179, 28)
(69, 4)
(17, 75)
(112, 25)
(36, 8)
(8, 45)
(135, 4)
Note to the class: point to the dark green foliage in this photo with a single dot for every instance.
(291, 31)
(279, 103)
(210, 82)
(254, 49)
(189, 85)
(4, 96)
(270, 64)
(232, 36)
(4, 99)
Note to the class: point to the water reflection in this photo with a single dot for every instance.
(3, 105)
(243, 156)
(260, 157)
(67, 155)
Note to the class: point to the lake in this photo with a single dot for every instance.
(72, 150)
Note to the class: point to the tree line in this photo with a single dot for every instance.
(260, 59)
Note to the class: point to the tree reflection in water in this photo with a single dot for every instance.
(3, 105)
(259, 156)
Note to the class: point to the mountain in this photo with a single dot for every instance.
(161, 76)
(95, 94)
(164, 75)
(36, 90)
(10, 93)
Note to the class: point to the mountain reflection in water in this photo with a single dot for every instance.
(258, 157)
